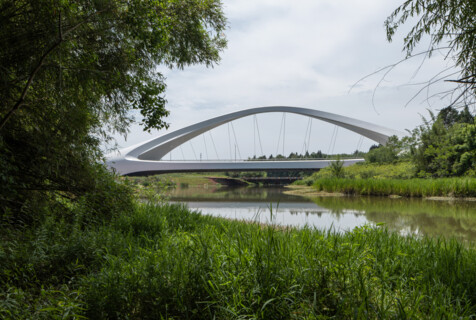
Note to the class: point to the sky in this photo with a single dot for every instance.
(303, 53)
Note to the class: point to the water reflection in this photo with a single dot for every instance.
(225, 194)
(417, 216)
(407, 216)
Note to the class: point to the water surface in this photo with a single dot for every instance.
(271, 205)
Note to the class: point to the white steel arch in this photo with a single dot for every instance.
(145, 156)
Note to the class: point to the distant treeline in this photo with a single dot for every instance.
(313, 155)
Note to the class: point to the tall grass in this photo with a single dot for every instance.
(455, 187)
(363, 170)
(166, 262)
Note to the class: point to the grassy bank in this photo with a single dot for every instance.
(399, 170)
(442, 187)
(163, 261)
(154, 186)
(179, 180)
(388, 179)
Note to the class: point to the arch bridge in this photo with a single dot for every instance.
(146, 158)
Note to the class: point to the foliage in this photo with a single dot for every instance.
(151, 188)
(71, 71)
(337, 168)
(399, 170)
(312, 155)
(104, 51)
(446, 145)
(392, 151)
(451, 25)
(452, 187)
(241, 174)
(168, 262)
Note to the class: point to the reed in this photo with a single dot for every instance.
(452, 187)
(167, 262)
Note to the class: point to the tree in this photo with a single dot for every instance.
(337, 168)
(451, 26)
(109, 48)
(445, 145)
(70, 72)
(392, 151)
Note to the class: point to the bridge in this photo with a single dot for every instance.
(146, 158)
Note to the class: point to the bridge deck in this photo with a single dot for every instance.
(146, 157)
(142, 167)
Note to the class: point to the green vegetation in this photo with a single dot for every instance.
(193, 180)
(312, 155)
(445, 146)
(417, 166)
(71, 73)
(393, 151)
(337, 168)
(453, 187)
(73, 242)
(400, 170)
(163, 261)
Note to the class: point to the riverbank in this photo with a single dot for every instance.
(181, 180)
(307, 191)
(165, 261)
(312, 192)
(438, 189)
(394, 180)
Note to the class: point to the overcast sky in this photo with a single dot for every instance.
(305, 53)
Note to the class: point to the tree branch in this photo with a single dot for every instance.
(21, 100)
(62, 34)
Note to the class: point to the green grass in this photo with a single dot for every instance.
(166, 262)
(389, 179)
(453, 187)
(399, 170)
(189, 179)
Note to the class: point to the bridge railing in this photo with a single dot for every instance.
(263, 160)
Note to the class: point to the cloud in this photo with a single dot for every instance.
(300, 53)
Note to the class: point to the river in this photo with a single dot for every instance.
(270, 205)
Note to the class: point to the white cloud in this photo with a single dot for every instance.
(299, 53)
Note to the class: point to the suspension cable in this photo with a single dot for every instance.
(236, 142)
(332, 138)
(229, 140)
(359, 143)
(193, 149)
(213, 142)
(205, 143)
(305, 137)
(181, 150)
(259, 136)
(284, 131)
(309, 136)
(279, 136)
(335, 139)
(254, 137)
